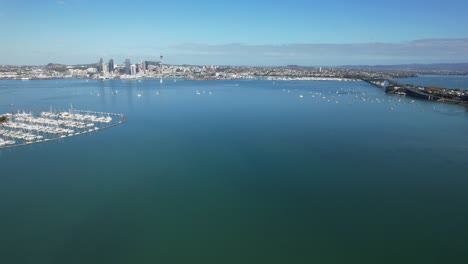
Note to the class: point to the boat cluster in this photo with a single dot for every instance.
(54, 123)
(24, 128)
(6, 142)
(77, 116)
(17, 134)
(351, 96)
(38, 128)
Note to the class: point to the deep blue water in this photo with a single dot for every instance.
(251, 173)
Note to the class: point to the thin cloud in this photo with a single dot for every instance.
(429, 50)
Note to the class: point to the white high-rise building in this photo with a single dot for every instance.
(105, 69)
(133, 69)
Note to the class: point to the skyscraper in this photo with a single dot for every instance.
(99, 67)
(127, 66)
(111, 65)
(105, 69)
(133, 69)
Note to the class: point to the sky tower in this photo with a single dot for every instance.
(161, 67)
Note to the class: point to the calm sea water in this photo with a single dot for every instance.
(244, 172)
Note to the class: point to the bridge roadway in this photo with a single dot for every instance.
(381, 82)
(411, 91)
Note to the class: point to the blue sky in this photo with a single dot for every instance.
(328, 32)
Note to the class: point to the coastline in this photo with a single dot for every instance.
(269, 78)
(336, 79)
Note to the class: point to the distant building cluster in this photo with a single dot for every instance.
(127, 70)
(156, 69)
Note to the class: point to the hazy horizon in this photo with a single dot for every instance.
(154, 58)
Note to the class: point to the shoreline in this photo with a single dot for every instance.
(336, 79)
(279, 78)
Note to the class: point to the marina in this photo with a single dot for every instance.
(24, 128)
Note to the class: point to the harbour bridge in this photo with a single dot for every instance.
(409, 90)
(383, 83)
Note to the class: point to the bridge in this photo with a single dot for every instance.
(409, 90)
(383, 83)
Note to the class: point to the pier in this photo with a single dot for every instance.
(22, 128)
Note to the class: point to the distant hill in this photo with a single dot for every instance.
(452, 67)
(62, 67)
(56, 67)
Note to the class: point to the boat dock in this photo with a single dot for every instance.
(24, 128)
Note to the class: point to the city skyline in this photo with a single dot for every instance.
(242, 33)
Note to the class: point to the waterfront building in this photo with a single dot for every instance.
(99, 66)
(127, 66)
(133, 69)
(105, 68)
(111, 66)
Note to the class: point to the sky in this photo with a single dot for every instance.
(241, 32)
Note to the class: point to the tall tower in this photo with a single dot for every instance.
(127, 66)
(99, 67)
(142, 67)
(111, 66)
(161, 67)
(105, 69)
(133, 69)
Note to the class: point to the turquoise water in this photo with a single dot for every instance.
(251, 173)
